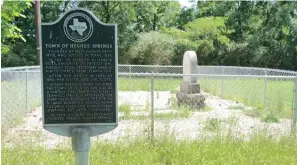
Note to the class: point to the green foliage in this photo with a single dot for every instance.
(133, 18)
(206, 36)
(209, 34)
(19, 55)
(183, 113)
(214, 8)
(9, 31)
(186, 15)
(240, 33)
(181, 46)
(153, 48)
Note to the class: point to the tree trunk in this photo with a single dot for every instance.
(154, 22)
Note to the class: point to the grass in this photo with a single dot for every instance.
(144, 84)
(271, 118)
(233, 121)
(213, 125)
(258, 150)
(183, 112)
(126, 109)
(207, 108)
(18, 99)
(253, 113)
(160, 116)
(250, 91)
(236, 107)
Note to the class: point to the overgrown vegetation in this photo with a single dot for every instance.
(258, 150)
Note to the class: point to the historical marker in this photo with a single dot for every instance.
(79, 73)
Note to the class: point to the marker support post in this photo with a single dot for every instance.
(81, 145)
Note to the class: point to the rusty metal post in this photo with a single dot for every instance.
(37, 29)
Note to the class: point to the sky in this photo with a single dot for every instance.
(185, 3)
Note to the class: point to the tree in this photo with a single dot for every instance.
(274, 44)
(214, 8)
(186, 15)
(210, 36)
(10, 12)
(257, 33)
(18, 52)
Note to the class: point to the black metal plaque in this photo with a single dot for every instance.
(79, 70)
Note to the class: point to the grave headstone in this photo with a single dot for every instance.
(189, 93)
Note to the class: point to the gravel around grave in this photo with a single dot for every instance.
(220, 115)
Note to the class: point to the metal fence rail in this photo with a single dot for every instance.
(148, 105)
(225, 70)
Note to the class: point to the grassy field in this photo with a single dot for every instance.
(144, 84)
(251, 92)
(259, 150)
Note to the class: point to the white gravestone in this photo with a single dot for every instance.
(189, 89)
(190, 66)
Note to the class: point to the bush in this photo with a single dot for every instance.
(181, 46)
(152, 48)
(19, 55)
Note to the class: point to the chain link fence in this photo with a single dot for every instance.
(243, 100)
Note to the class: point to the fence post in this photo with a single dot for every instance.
(152, 107)
(26, 81)
(222, 84)
(265, 89)
(295, 106)
(130, 78)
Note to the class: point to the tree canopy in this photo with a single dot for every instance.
(237, 33)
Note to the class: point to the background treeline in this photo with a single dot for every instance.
(261, 34)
